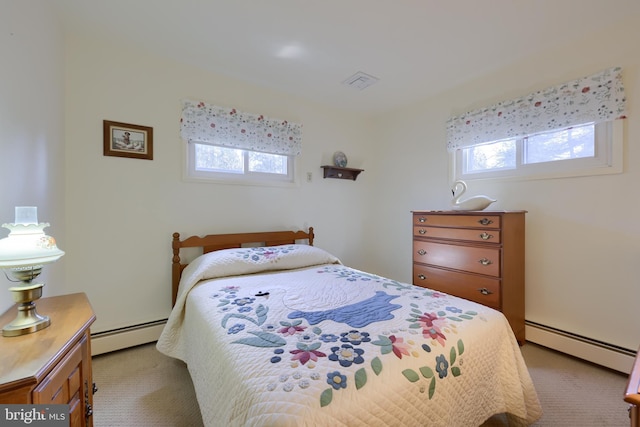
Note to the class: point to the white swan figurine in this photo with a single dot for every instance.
(475, 203)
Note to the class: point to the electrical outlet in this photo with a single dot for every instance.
(309, 176)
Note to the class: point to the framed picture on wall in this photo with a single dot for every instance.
(127, 140)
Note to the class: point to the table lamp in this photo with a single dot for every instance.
(23, 253)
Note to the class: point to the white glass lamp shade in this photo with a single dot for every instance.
(27, 245)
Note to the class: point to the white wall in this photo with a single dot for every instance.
(583, 234)
(31, 118)
(122, 212)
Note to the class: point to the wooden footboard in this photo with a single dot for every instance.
(632, 393)
(216, 242)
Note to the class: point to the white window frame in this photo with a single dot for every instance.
(190, 172)
(608, 159)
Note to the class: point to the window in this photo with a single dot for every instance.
(224, 144)
(213, 163)
(588, 149)
(571, 129)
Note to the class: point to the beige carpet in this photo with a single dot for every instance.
(141, 387)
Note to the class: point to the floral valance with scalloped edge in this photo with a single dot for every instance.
(592, 99)
(228, 127)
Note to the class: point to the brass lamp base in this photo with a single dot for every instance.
(28, 320)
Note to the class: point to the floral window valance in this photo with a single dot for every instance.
(227, 127)
(596, 98)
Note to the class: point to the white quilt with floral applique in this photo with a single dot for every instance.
(288, 336)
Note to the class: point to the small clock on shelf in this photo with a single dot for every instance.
(340, 159)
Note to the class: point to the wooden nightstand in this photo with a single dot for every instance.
(53, 365)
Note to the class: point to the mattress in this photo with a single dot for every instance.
(289, 336)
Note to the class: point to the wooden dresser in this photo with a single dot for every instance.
(476, 255)
(53, 365)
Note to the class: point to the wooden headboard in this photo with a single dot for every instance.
(216, 242)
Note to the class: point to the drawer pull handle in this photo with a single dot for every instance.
(422, 252)
(422, 231)
(422, 276)
(485, 261)
(485, 236)
(485, 291)
(422, 219)
(485, 221)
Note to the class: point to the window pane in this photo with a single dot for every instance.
(267, 163)
(494, 156)
(211, 158)
(573, 143)
(583, 150)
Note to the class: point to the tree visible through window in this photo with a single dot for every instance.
(561, 151)
(573, 143)
(226, 144)
(498, 155)
(222, 163)
(212, 158)
(570, 129)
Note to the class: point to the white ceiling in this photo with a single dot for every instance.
(415, 47)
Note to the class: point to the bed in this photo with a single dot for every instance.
(632, 392)
(277, 332)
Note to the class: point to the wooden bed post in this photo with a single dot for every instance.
(176, 269)
(632, 392)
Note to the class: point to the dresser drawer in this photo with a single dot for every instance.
(483, 290)
(488, 236)
(466, 221)
(467, 258)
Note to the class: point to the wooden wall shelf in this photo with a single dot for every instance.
(341, 173)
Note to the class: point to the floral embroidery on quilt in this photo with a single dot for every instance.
(267, 253)
(355, 275)
(298, 341)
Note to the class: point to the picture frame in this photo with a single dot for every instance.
(127, 140)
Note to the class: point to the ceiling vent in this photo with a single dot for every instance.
(360, 80)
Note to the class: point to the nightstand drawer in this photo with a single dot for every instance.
(483, 290)
(465, 221)
(466, 258)
(471, 235)
(63, 384)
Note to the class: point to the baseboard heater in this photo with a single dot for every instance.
(130, 336)
(598, 352)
